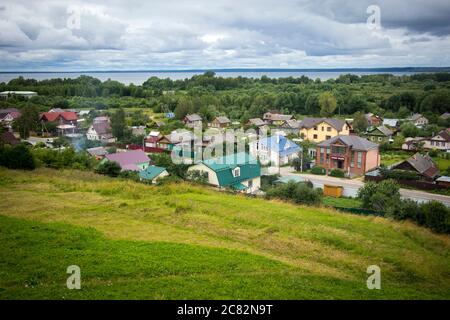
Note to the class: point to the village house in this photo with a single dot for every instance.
(100, 131)
(418, 120)
(380, 135)
(443, 181)
(8, 138)
(352, 154)
(220, 122)
(152, 173)
(97, 152)
(132, 160)
(422, 165)
(275, 150)
(8, 116)
(411, 144)
(239, 172)
(373, 120)
(257, 122)
(66, 121)
(192, 121)
(100, 119)
(320, 129)
(441, 141)
(391, 122)
(274, 118)
(291, 127)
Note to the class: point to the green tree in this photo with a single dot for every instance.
(327, 104)
(28, 121)
(118, 124)
(360, 123)
(109, 168)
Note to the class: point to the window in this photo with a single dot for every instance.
(327, 137)
(329, 129)
(359, 159)
(250, 183)
(323, 128)
(315, 136)
(315, 128)
(236, 172)
(380, 138)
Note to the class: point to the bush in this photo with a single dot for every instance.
(298, 192)
(397, 174)
(437, 216)
(17, 157)
(383, 196)
(318, 170)
(197, 176)
(109, 168)
(337, 173)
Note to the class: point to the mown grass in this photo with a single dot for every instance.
(183, 241)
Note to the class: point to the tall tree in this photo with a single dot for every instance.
(118, 124)
(360, 123)
(28, 121)
(327, 104)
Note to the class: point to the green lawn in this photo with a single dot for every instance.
(342, 202)
(187, 242)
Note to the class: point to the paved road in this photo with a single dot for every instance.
(351, 186)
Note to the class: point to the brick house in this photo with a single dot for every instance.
(352, 154)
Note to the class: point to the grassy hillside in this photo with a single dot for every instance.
(183, 241)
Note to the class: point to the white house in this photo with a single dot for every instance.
(441, 141)
(100, 131)
(276, 150)
(418, 120)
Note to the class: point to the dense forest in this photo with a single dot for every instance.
(241, 98)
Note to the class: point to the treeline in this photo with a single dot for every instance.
(241, 98)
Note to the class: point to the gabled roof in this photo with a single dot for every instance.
(223, 167)
(357, 143)
(415, 117)
(390, 122)
(128, 159)
(53, 116)
(222, 119)
(256, 121)
(424, 165)
(151, 172)
(445, 115)
(280, 144)
(102, 128)
(384, 130)
(193, 117)
(292, 123)
(444, 134)
(97, 151)
(9, 138)
(308, 123)
(14, 112)
(101, 119)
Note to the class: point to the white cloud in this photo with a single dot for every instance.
(220, 34)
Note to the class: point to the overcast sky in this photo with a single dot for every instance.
(145, 35)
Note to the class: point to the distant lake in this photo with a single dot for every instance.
(138, 77)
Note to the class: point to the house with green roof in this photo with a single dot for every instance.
(152, 173)
(239, 171)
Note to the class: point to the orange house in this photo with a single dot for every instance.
(352, 154)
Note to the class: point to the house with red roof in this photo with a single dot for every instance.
(66, 121)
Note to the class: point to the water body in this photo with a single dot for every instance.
(138, 77)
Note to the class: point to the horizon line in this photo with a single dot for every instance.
(447, 68)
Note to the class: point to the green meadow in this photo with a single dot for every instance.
(181, 241)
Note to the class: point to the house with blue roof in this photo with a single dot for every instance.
(239, 171)
(275, 150)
